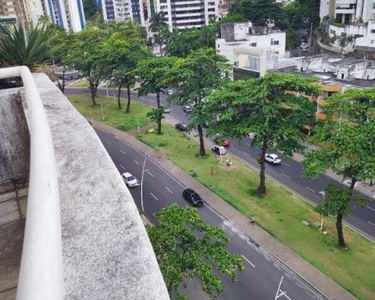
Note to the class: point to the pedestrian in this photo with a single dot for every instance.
(212, 171)
(228, 162)
(252, 220)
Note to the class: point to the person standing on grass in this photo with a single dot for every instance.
(252, 220)
(212, 171)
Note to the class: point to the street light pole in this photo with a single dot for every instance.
(143, 172)
(323, 193)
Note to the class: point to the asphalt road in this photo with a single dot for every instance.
(262, 273)
(289, 173)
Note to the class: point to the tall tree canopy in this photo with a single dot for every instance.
(187, 248)
(159, 28)
(349, 141)
(195, 77)
(121, 52)
(151, 74)
(269, 107)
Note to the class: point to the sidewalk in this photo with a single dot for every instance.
(326, 286)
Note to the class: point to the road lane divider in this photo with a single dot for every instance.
(370, 208)
(108, 142)
(371, 223)
(248, 261)
(285, 175)
(123, 152)
(310, 189)
(148, 172)
(168, 190)
(285, 164)
(154, 196)
(136, 162)
(122, 167)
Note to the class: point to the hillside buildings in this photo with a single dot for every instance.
(123, 10)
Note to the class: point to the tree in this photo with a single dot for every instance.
(186, 248)
(337, 202)
(151, 75)
(259, 11)
(91, 8)
(181, 42)
(160, 28)
(20, 47)
(85, 56)
(348, 138)
(120, 55)
(292, 39)
(270, 108)
(195, 77)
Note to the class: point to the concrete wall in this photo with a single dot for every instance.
(14, 138)
(106, 250)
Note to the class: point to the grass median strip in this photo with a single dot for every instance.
(280, 213)
(113, 116)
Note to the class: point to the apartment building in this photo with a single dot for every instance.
(68, 14)
(13, 11)
(188, 13)
(348, 11)
(122, 10)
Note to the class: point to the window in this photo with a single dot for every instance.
(255, 63)
(275, 43)
(372, 30)
(372, 42)
(253, 44)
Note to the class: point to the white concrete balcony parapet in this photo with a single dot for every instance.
(102, 250)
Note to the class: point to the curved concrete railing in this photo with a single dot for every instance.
(41, 272)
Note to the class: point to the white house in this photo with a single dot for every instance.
(255, 49)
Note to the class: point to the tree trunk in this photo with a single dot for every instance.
(160, 47)
(128, 105)
(202, 150)
(340, 233)
(159, 120)
(262, 174)
(62, 88)
(93, 89)
(352, 184)
(119, 97)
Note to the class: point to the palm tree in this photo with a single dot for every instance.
(158, 26)
(25, 47)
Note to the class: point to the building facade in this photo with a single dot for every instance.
(68, 14)
(252, 50)
(348, 11)
(123, 10)
(188, 14)
(12, 12)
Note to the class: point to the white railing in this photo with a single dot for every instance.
(41, 272)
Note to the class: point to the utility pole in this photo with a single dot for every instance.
(323, 193)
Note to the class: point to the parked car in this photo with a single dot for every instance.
(273, 159)
(304, 46)
(167, 110)
(187, 108)
(219, 150)
(191, 196)
(181, 126)
(130, 180)
(222, 141)
(170, 92)
(66, 77)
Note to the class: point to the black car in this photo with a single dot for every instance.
(191, 196)
(181, 126)
(66, 77)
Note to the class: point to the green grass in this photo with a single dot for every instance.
(80, 83)
(280, 213)
(112, 115)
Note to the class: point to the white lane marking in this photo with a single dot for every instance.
(122, 167)
(285, 175)
(310, 189)
(250, 263)
(108, 142)
(154, 196)
(123, 152)
(369, 207)
(136, 162)
(150, 174)
(247, 144)
(187, 205)
(285, 164)
(168, 190)
(371, 223)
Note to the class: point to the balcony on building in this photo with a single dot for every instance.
(106, 253)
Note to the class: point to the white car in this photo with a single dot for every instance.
(170, 92)
(130, 180)
(273, 159)
(219, 150)
(187, 108)
(304, 46)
